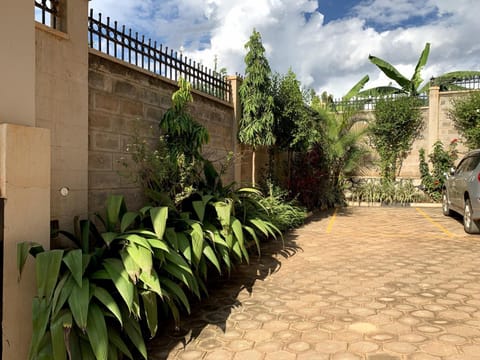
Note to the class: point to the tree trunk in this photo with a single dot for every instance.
(253, 167)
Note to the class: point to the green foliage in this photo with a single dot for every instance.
(256, 125)
(342, 142)
(465, 115)
(387, 192)
(83, 291)
(446, 82)
(398, 122)
(310, 178)
(284, 214)
(407, 86)
(441, 160)
(289, 111)
(165, 178)
(171, 171)
(183, 134)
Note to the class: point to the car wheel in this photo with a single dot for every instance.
(445, 207)
(470, 225)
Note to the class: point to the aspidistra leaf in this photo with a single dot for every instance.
(48, 270)
(78, 302)
(74, 262)
(120, 278)
(97, 332)
(159, 220)
(58, 328)
(150, 310)
(108, 301)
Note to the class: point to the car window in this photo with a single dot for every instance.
(473, 163)
(467, 164)
(462, 166)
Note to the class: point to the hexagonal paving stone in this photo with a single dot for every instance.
(330, 346)
(280, 355)
(438, 348)
(248, 354)
(362, 347)
(239, 345)
(400, 347)
(298, 347)
(221, 355)
(258, 335)
(269, 346)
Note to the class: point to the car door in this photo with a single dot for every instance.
(458, 183)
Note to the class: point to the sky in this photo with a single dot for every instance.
(325, 42)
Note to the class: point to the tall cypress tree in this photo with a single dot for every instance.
(256, 125)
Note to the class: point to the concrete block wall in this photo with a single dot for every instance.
(446, 129)
(123, 97)
(437, 126)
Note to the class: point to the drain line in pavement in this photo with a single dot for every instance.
(425, 215)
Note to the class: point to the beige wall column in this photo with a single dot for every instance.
(62, 107)
(17, 63)
(24, 172)
(433, 117)
(25, 188)
(235, 82)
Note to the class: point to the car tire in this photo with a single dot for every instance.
(470, 226)
(445, 207)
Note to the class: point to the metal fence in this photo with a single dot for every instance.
(368, 103)
(457, 83)
(47, 12)
(114, 40)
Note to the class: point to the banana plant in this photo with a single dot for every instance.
(407, 86)
(447, 82)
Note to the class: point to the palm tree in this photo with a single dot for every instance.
(343, 137)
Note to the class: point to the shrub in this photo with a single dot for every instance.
(397, 124)
(387, 192)
(283, 214)
(441, 160)
(310, 179)
(465, 115)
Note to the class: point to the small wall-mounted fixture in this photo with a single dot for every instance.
(64, 191)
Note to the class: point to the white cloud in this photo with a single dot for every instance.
(393, 12)
(331, 56)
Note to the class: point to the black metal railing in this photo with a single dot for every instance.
(457, 83)
(116, 41)
(47, 12)
(367, 103)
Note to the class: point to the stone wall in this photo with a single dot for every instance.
(123, 97)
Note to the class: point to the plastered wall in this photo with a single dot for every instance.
(61, 105)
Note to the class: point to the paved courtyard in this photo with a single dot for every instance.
(360, 283)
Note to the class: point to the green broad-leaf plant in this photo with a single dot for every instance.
(410, 86)
(94, 300)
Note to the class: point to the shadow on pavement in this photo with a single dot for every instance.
(223, 291)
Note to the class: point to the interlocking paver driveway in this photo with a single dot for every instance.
(369, 283)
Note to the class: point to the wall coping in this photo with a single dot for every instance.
(156, 76)
(54, 32)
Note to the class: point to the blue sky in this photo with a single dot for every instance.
(325, 42)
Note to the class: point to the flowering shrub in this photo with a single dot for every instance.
(441, 161)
